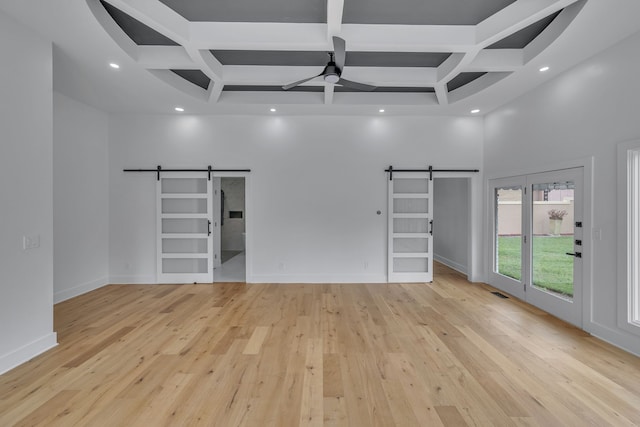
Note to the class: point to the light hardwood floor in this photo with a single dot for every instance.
(447, 353)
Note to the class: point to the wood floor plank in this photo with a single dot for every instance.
(410, 354)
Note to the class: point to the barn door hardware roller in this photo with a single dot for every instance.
(209, 170)
(429, 171)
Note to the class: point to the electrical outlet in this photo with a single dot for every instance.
(281, 266)
(30, 242)
(366, 265)
(597, 234)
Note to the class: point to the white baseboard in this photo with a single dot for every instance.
(66, 294)
(451, 264)
(308, 278)
(27, 352)
(623, 340)
(132, 280)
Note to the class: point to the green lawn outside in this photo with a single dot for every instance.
(552, 268)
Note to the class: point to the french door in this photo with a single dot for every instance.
(410, 228)
(184, 220)
(537, 240)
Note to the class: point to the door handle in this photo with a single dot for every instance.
(431, 227)
(208, 228)
(577, 254)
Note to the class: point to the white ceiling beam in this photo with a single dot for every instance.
(175, 57)
(553, 31)
(213, 69)
(280, 75)
(272, 98)
(476, 86)
(515, 17)
(442, 94)
(284, 36)
(116, 33)
(451, 66)
(386, 99)
(181, 84)
(491, 60)
(158, 16)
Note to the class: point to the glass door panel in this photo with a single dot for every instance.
(508, 239)
(553, 237)
(555, 229)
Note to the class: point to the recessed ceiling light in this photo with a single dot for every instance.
(381, 110)
(543, 69)
(114, 65)
(273, 110)
(476, 111)
(179, 109)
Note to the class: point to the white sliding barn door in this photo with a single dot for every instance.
(184, 238)
(410, 243)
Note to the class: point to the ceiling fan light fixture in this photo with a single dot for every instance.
(331, 78)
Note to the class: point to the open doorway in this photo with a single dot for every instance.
(451, 222)
(229, 229)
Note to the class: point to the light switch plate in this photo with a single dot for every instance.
(30, 242)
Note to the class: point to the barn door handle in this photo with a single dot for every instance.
(208, 228)
(431, 227)
(577, 254)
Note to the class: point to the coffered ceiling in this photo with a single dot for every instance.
(422, 56)
(425, 52)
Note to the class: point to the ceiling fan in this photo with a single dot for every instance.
(333, 70)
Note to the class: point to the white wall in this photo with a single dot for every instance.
(451, 222)
(81, 198)
(583, 113)
(316, 184)
(26, 277)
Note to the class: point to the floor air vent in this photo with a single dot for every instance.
(498, 294)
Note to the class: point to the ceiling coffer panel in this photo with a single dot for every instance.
(320, 88)
(138, 32)
(195, 77)
(319, 58)
(381, 89)
(520, 39)
(420, 12)
(282, 11)
(250, 88)
(462, 79)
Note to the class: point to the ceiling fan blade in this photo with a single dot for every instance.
(299, 82)
(356, 85)
(339, 51)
